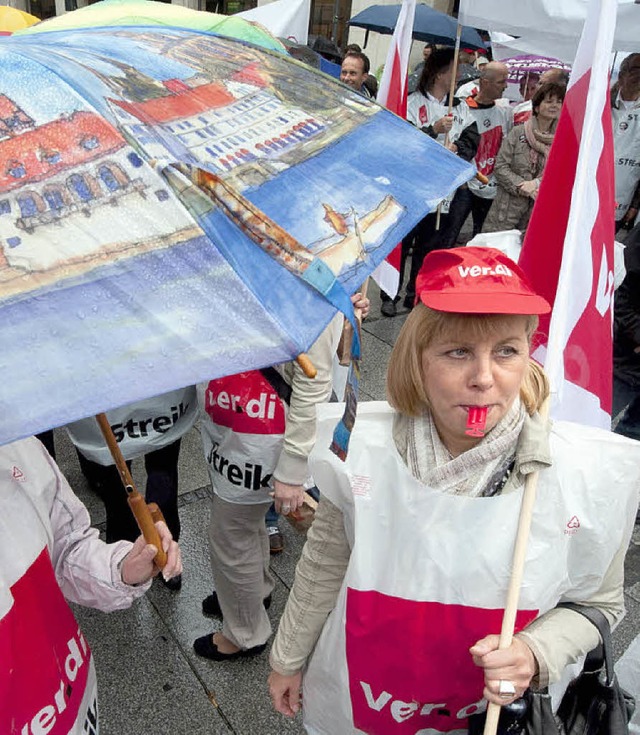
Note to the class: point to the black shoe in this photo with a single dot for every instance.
(388, 308)
(174, 584)
(206, 648)
(409, 301)
(211, 606)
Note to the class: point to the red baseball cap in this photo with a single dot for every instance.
(476, 280)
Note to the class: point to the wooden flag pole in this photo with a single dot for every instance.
(517, 571)
(452, 89)
(137, 503)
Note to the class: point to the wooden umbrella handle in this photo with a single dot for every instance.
(307, 367)
(137, 503)
(482, 178)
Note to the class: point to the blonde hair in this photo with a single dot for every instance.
(405, 385)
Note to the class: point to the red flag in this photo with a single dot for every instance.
(393, 95)
(568, 248)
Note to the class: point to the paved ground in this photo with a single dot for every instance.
(150, 680)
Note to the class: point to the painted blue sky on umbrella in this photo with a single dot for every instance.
(171, 206)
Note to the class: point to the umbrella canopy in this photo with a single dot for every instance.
(12, 19)
(520, 66)
(177, 206)
(429, 25)
(148, 12)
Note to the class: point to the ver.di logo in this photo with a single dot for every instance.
(573, 524)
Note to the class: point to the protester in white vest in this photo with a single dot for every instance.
(152, 429)
(625, 110)
(494, 122)
(258, 429)
(428, 110)
(49, 552)
(397, 602)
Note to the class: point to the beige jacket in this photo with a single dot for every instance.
(556, 639)
(306, 394)
(510, 209)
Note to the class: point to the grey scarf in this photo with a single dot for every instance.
(476, 472)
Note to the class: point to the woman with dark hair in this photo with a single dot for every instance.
(521, 161)
(427, 109)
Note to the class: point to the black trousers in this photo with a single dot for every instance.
(423, 238)
(463, 204)
(162, 488)
(46, 437)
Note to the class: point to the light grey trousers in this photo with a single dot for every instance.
(239, 549)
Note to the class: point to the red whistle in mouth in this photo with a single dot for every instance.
(476, 421)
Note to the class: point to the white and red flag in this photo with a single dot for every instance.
(568, 248)
(392, 93)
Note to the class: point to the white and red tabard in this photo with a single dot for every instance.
(522, 112)
(140, 427)
(626, 142)
(426, 111)
(48, 549)
(429, 572)
(493, 123)
(47, 678)
(242, 433)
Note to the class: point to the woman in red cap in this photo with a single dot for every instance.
(393, 617)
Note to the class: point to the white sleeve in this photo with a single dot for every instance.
(86, 568)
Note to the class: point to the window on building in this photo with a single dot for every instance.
(79, 187)
(27, 205)
(16, 169)
(90, 142)
(324, 13)
(54, 199)
(228, 7)
(134, 159)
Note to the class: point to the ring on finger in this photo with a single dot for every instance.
(506, 689)
(286, 508)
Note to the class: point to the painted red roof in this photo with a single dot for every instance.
(251, 74)
(179, 106)
(7, 106)
(60, 140)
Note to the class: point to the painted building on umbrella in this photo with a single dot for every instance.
(79, 169)
(227, 124)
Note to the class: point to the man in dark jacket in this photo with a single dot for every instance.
(626, 342)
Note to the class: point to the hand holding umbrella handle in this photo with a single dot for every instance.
(146, 524)
(137, 503)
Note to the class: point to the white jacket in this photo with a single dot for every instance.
(626, 146)
(49, 552)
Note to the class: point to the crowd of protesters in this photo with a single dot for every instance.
(422, 438)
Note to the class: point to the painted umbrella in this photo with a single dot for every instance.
(177, 206)
(12, 19)
(148, 13)
(520, 66)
